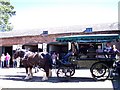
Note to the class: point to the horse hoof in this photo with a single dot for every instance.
(26, 78)
(30, 77)
(44, 79)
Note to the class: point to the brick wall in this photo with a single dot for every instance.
(47, 38)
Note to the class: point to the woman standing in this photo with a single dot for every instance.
(114, 51)
(7, 58)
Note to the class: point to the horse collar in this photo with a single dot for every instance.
(25, 57)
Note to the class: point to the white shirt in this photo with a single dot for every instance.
(3, 58)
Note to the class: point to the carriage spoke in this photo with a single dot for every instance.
(61, 72)
(100, 71)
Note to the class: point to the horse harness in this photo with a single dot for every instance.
(27, 54)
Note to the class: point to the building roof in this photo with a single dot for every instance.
(63, 29)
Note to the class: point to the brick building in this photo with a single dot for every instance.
(9, 41)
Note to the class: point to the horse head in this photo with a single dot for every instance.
(19, 53)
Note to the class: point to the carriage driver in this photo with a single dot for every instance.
(73, 51)
(65, 58)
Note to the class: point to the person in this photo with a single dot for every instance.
(14, 63)
(107, 49)
(54, 57)
(58, 56)
(65, 58)
(114, 51)
(2, 60)
(99, 52)
(75, 48)
(7, 58)
(83, 50)
(57, 59)
(18, 62)
(91, 50)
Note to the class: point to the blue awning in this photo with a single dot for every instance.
(89, 38)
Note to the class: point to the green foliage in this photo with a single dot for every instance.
(6, 11)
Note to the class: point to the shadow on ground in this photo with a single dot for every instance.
(51, 79)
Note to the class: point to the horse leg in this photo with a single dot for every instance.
(27, 73)
(36, 69)
(30, 72)
(45, 74)
(50, 73)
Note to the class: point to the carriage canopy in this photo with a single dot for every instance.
(89, 38)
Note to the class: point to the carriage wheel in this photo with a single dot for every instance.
(70, 71)
(60, 72)
(100, 71)
(65, 72)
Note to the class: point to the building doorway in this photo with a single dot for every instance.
(8, 49)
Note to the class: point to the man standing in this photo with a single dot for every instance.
(2, 60)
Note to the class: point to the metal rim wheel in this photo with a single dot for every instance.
(100, 71)
(65, 72)
(61, 72)
(70, 71)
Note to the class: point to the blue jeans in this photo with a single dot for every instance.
(65, 58)
(14, 64)
(2, 64)
(7, 63)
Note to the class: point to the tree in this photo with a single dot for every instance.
(6, 11)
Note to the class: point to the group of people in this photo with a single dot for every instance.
(110, 51)
(5, 60)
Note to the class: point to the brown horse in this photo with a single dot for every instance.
(30, 59)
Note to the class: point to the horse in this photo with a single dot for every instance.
(30, 59)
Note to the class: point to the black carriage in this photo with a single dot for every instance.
(100, 69)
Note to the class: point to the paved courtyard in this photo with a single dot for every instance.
(14, 78)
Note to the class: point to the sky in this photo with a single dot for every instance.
(31, 14)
